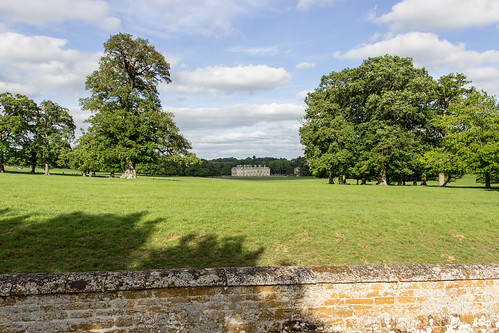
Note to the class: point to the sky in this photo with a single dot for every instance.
(241, 69)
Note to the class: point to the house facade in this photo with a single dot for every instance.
(250, 171)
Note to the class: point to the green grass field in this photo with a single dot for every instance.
(69, 223)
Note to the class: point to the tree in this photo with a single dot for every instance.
(368, 121)
(471, 141)
(92, 153)
(449, 88)
(17, 114)
(52, 132)
(125, 101)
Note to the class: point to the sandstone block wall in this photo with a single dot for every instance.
(421, 298)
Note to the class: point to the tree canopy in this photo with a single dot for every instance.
(34, 135)
(17, 113)
(368, 121)
(388, 119)
(127, 119)
(471, 140)
(52, 132)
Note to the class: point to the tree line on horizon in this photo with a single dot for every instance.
(380, 121)
(223, 166)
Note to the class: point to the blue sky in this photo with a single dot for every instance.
(241, 68)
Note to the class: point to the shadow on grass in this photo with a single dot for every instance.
(493, 188)
(164, 179)
(106, 242)
(71, 242)
(202, 251)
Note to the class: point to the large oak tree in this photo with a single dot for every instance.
(369, 121)
(127, 116)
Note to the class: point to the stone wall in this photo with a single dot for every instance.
(420, 298)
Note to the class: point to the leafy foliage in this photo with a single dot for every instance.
(368, 121)
(128, 120)
(33, 134)
(386, 118)
(471, 141)
(17, 114)
(52, 132)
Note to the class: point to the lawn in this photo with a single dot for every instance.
(66, 223)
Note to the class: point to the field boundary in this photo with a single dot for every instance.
(88, 282)
(401, 298)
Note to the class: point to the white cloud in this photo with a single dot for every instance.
(38, 65)
(207, 17)
(485, 78)
(276, 139)
(235, 115)
(305, 65)
(36, 12)
(427, 50)
(441, 14)
(242, 130)
(303, 94)
(223, 80)
(306, 4)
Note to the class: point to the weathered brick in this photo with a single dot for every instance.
(334, 301)
(384, 300)
(342, 312)
(361, 309)
(406, 299)
(284, 313)
(241, 328)
(359, 301)
(137, 294)
(322, 312)
(264, 289)
(467, 319)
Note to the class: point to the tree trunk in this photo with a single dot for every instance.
(330, 176)
(441, 179)
(129, 172)
(400, 181)
(487, 180)
(47, 173)
(447, 181)
(383, 179)
(423, 179)
(2, 161)
(34, 159)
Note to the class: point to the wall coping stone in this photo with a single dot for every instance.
(92, 282)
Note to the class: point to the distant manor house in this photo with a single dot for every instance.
(250, 171)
